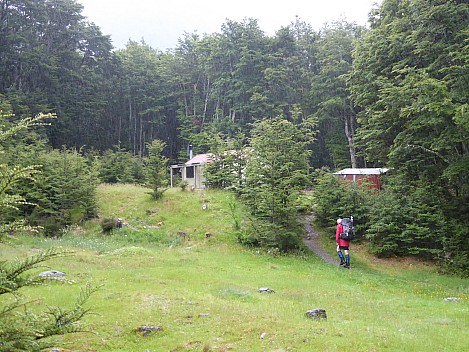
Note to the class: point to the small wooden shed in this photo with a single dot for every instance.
(192, 170)
(370, 175)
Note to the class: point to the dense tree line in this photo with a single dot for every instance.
(394, 95)
(53, 60)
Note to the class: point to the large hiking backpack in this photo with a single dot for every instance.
(348, 233)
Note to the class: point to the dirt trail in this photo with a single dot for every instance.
(312, 240)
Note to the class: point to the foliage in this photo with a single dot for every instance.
(132, 96)
(277, 168)
(58, 185)
(144, 107)
(156, 166)
(108, 224)
(335, 197)
(27, 331)
(12, 175)
(406, 77)
(229, 161)
(271, 236)
(183, 185)
(455, 254)
(397, 221)
(227, 170)
(406, 222)
(64, 194)
(329, 94)
(119, 166)
(54, 60)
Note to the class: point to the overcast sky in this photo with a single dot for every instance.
(161, 23)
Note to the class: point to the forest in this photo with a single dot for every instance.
(307, 102)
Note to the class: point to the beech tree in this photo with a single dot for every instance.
(407, 78)
(334, 108)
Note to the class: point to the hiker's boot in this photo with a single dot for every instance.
(342, 259)
(347, 262)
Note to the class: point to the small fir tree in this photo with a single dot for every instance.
(156, 168)
(21, 330)
(277, 168)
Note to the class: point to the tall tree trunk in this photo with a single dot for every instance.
(141, 143)
(135, 135)
(349, 133)
(207, 93)
(130, 121)
(194, 99)
(119, 131)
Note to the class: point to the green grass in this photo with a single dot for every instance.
(202, 291)
(177, 212)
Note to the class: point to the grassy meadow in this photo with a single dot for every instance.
(201, 291)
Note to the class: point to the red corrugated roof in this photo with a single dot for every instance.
(201, 159)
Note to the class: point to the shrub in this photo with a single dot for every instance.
(183, 185)
(455, 254)
(64, 194)
(334, 197)
(121, 167)
(108, 224)
(265, 234)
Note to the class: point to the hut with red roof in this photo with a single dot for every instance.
(368, 175)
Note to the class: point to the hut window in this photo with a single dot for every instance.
(190, 172)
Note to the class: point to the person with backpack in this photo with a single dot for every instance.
(342, 245)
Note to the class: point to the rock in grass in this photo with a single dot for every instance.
(452, 299)
(316, 314)
(146, 330)
(52, 274)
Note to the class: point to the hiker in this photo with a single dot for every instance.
(342, 245)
